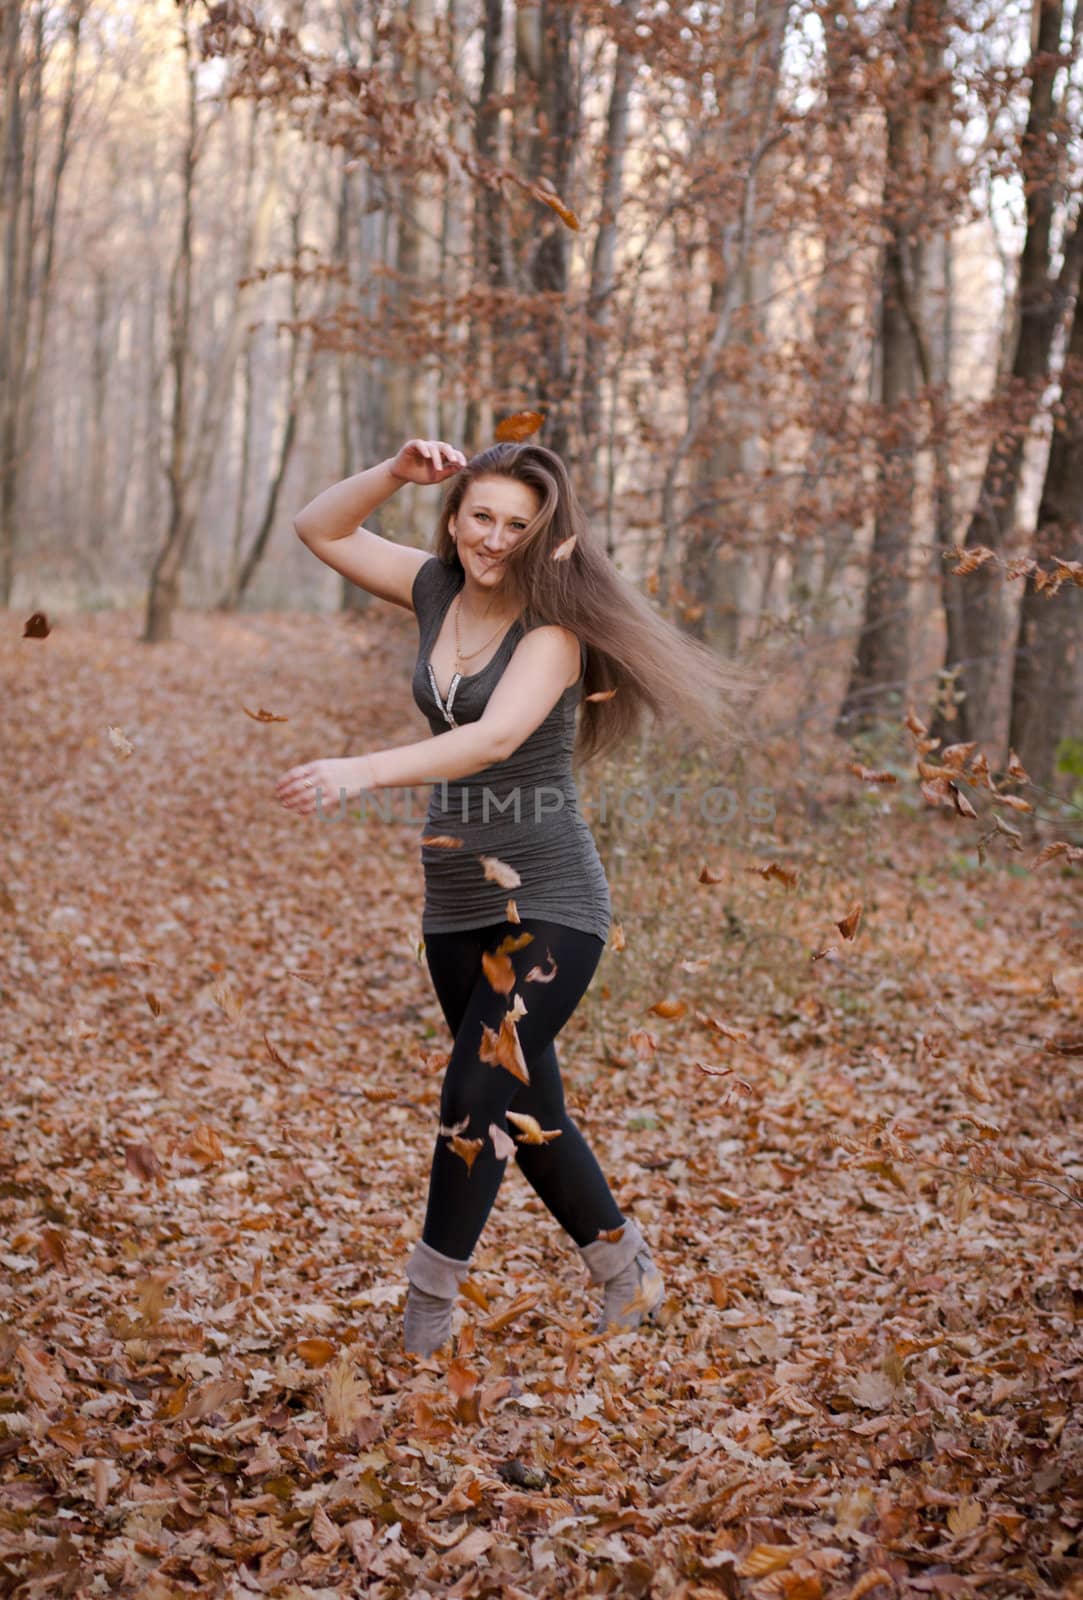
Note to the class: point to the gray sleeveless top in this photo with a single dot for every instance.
(524, 810)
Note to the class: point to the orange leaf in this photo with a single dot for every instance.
(848, 924)
(668, 1008)
(564, 548)
(503, 1049)
(467, 1148)
(533, 1132)
(518, 426)
(499, 971)
(601, 694)
(442, 841)
(315, 1352)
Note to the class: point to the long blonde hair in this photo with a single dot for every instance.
(632, 649)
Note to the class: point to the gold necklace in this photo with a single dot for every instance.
(468, 655)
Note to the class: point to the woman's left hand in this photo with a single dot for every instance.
(297, 789)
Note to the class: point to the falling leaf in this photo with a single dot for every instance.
(915, 724)
(499, 971)
(848, 924)
(442, 841)
(543, 190)
(564, 548)
(120, 742)
(498, 871)
(453, 1130)
(616, 937)
(533, 1132)
(612, 1235)
(503, 1144)
(600, 694)
(467, 1148)
(503, 1049)
(36, 626)
(153, 1003)
(263, 716)
(824, 951)
(462, 1382)
(536, 975)
(962, 804)
(514, 941)
(518, 426)
(511, 912)
(707, 876)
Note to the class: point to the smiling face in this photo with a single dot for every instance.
(491, 519)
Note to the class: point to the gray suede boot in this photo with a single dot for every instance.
(430, 1299)
(633, 1284)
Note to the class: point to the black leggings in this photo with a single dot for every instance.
(562, 1172)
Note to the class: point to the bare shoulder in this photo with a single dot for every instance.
(553, 648)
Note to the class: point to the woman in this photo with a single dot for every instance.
(520, 617)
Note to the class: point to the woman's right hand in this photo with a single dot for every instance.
(427, 461)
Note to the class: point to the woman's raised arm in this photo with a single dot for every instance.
(328, 525)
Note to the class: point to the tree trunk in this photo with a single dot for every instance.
(1050, 638)
(603, 260)
(1040, 304)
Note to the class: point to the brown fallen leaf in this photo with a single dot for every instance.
(442, 841)
(1016, 768)
(36, 626)
(514, 941)
(612, 1235)
(707, 876)
(848, 924)
(600, 694)
(765, 1558)
(511, 912)
(315, 1352)
(956, 756)
(668, 1008)
(616, 937)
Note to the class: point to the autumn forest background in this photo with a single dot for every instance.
(794, 287)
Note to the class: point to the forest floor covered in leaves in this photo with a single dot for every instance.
(851, 1136)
